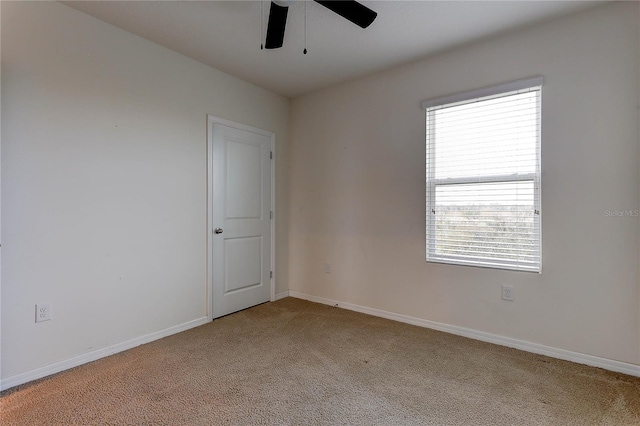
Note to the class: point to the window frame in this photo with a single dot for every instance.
(502, 90)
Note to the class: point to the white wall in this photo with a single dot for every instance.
(357, 159)
(104, 173)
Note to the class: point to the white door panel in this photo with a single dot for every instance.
(248, 253)
(240, 207)
(243, 190)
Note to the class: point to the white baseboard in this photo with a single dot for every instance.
(59, 366)
(281, 295)
(594, 361)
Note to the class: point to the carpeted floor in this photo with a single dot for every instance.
(294, 362)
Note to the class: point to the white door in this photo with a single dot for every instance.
(240, 170)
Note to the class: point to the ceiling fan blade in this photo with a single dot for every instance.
(351, 10)
(275, 27)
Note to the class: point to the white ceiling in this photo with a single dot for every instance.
(226, 34)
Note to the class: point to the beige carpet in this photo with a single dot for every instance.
(299, 363)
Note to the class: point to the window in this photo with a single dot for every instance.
(483, 177)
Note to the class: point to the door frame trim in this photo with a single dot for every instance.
(211, 120)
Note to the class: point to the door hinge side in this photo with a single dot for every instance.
(271, 214)
(271, 155)
(270, 274)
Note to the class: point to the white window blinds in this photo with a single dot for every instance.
(483, 177)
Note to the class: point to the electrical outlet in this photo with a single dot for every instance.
(43, 312)
(507, 292)
(327, 268)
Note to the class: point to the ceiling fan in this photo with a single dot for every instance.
(351, 10)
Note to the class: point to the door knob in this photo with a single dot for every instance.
(218, 230)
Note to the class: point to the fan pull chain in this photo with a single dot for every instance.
(261, 23)
(305, 27)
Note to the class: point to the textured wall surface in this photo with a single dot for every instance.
(104, 182)
(358, 180)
